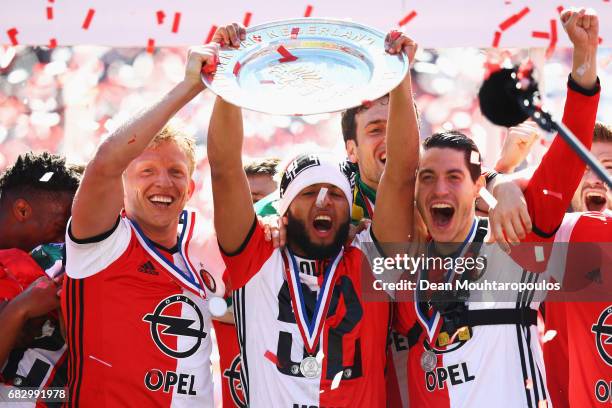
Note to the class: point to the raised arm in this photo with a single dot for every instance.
(100, 195)
(234, 214)
(393, 218)
(552, 186)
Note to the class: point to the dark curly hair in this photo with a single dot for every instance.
(41, 173)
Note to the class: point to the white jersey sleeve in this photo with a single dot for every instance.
(87, 257)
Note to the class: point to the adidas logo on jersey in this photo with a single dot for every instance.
(148, 268)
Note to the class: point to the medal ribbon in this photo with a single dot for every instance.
(189, 279)
(309, 329)
(432, 324)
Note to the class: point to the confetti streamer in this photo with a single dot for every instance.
(513, 19)
(150, 50)
(49, 13)
(272, 357)
(553, 38)
(336, 381)
(88, 18)
(496, 39)
(539, 253)
(12, 34)
(321, 197)
(287, 56)
(308, 11)
(46, 177)
(294, 32)
(236, 68)
(210, 35)
(160, 17)
(247, 19)
(176, 22)
(52, 43)
(540, 34)
(407, 18)
(548, 336)
(553, 194)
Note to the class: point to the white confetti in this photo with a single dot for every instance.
(336, 381)
(549, 335)
(487, 198)
(321, 197)
(539, 253)
(319, 357)
(474, 157)
(46, 177)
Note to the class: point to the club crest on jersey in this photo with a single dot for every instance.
(235, 384)
(603, 335)
(208, 279)
(165, 325)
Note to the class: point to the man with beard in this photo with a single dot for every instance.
(311, 340)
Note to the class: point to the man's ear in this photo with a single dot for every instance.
(191, 188)
(22, 210)
(351, 150)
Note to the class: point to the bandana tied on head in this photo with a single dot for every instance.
(309, 169)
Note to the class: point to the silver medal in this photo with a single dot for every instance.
(310, 368)
(429, 360)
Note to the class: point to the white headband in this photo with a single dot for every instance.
(307, 170)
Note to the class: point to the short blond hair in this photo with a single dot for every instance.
(175, 132)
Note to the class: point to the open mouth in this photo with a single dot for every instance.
(161, 201)
(442, 214)
(322, 223)
(595, 201)
(383, 158)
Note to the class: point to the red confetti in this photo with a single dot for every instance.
(49, 13)
(52, 43)
(553, 194)
(256, 37)
(247, 19)
(407, 18)
(540, 34)
(211, 67)
(150, 48)
(294, 32)
(599, 40)
(366, 103)
(308, 11)
(176, 22)
(210, 35)
(553, 38)
(272, 357)
(51, 1)
(560, 9)
(496, 39)
(88, 18)
(513, 19)
(287, 56)
(267, 81)
(394, 35)
(236, 68)
(160, 16)
(12, 33)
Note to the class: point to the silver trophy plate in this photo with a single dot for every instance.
(306, 66)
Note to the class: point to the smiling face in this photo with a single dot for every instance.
(445, 194)
(318, 231)
(157, 185)
(593, 194)
(369, 148)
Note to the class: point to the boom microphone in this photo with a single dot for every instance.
(500, 94)
(510, 95)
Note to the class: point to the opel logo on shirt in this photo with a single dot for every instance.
(165, 326)
(603, 335)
